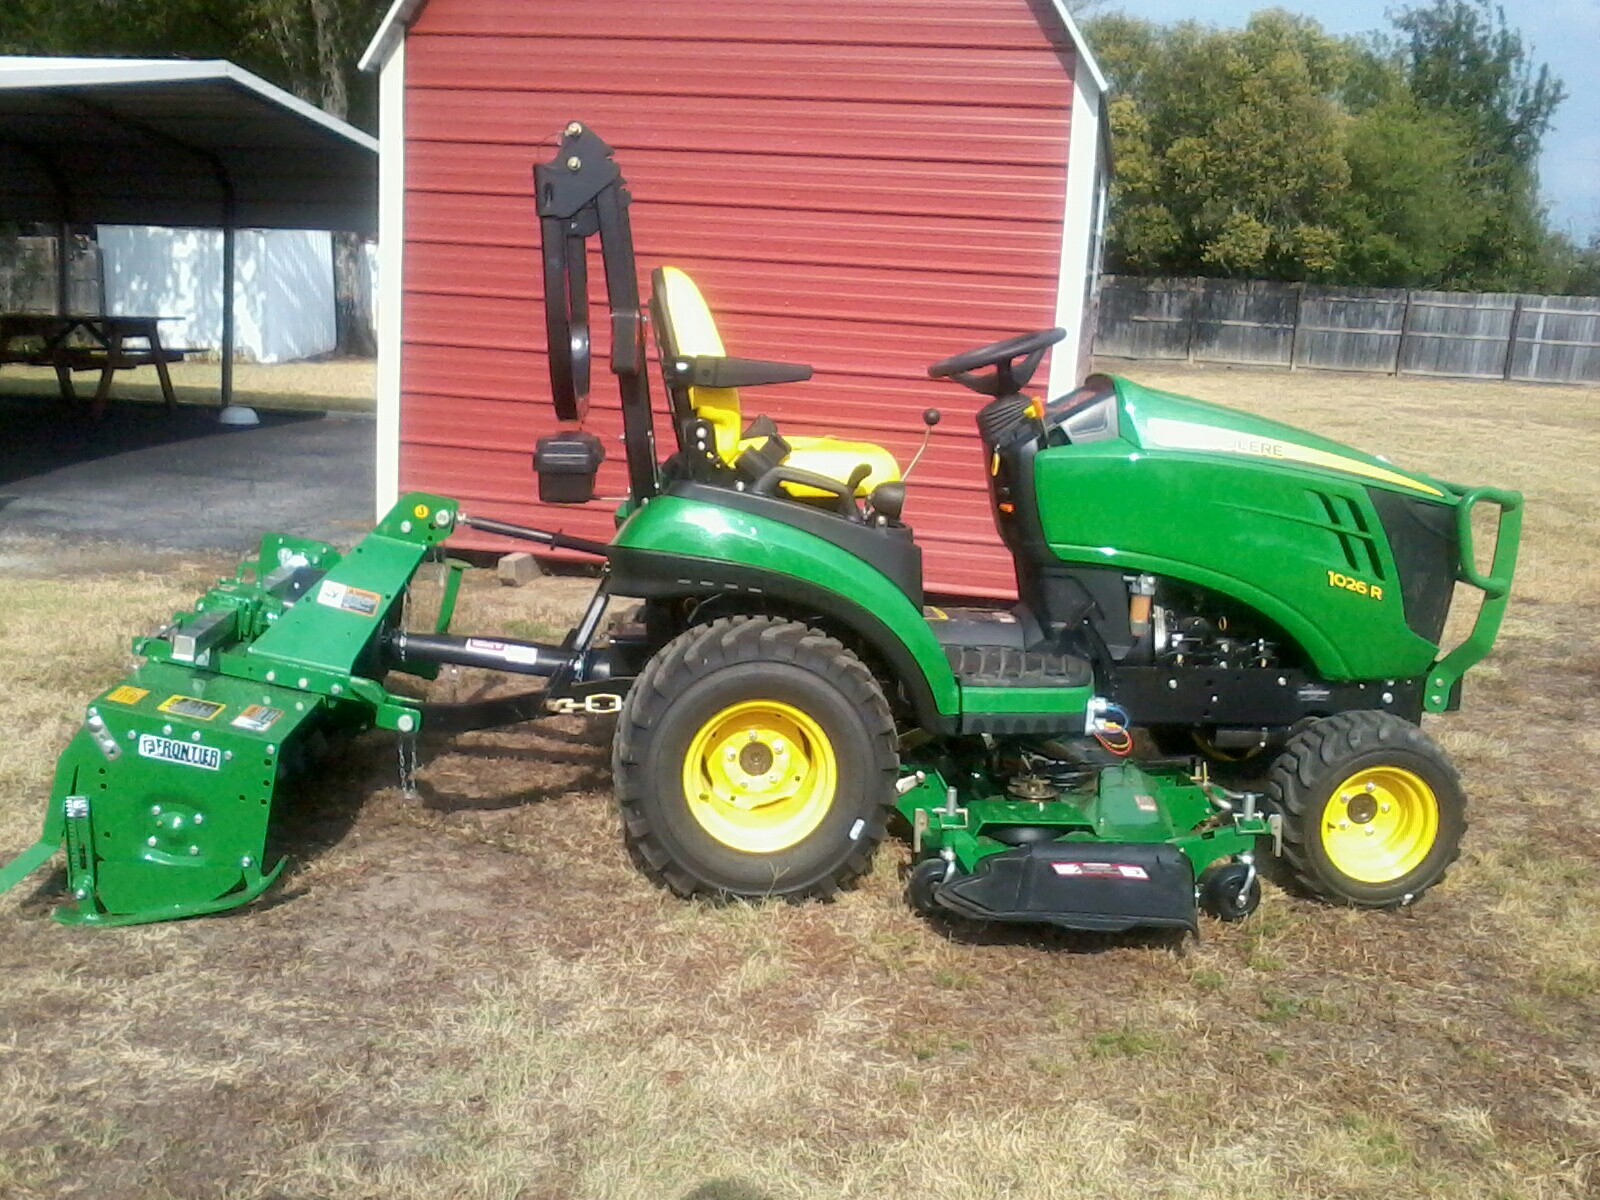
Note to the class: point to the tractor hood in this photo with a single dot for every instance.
(1157, 420)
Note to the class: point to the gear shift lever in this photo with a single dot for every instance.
(930, 418)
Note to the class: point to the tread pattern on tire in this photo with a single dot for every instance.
(726, 642)
(1306, 757)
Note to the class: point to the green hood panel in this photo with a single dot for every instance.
(1157, 420)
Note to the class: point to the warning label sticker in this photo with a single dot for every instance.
(191, 707)
(188, 754)
(526, 655)
(127, 694)
(350, 599)
(257, 718)
(1101, 870)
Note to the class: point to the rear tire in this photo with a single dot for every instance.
(755, 757)
(1373, 812)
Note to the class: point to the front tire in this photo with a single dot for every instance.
(1373, 812)
(755, 757)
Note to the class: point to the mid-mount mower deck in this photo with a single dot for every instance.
(1238, 588)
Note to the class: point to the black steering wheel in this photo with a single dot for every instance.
(1010, 375)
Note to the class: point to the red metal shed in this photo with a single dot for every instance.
(863, 187)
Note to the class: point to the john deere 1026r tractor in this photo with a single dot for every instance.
(782, 692)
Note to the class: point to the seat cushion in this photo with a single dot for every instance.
(835, 458)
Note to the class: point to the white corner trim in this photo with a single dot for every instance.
(391, 32)
(1077, 235)
(391, 259)
(1085, 55)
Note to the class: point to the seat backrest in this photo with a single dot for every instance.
(685, 326)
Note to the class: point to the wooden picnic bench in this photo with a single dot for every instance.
(103, 348)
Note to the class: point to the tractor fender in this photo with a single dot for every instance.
(675, 546)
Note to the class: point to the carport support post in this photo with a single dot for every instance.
(228, 215)
(231, 414)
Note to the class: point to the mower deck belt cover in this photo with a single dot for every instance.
(1109, 886)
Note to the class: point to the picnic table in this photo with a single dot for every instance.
(103, 346)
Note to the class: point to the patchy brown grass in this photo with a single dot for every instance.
(472, 993)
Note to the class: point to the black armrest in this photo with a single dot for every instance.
(709, 370)
(767, 485)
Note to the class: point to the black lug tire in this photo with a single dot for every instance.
(1321, 756)
(703, 671)
(921, 884)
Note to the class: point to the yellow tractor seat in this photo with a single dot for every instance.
(687, 329)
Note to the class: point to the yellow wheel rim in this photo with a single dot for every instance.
(760, 776)
(1380, 824)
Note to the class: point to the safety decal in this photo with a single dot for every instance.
(526, 655)
(350, 599)
(191, 707)
(257, 718)
(1101, 870)
(127, 694)
(1145, 803)
(187, 754)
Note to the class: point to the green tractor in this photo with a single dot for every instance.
(782, 691)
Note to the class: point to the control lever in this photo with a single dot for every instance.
(930, 418)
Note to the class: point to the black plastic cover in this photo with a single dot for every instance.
(566, 464)
(1106, 886)
(1422, 538)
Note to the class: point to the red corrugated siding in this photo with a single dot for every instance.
(866, 188)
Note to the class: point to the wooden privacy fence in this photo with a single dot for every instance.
(1489, 335)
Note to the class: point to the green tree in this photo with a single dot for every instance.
(1280, 151)
(1462, 58)
(1228, 145)
(1412, 206)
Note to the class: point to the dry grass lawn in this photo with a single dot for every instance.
(340, 385)
(472, 994)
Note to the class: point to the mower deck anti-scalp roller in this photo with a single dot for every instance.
(1263, 606)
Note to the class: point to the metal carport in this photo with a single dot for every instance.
(156, 142)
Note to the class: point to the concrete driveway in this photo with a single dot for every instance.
(182, 481)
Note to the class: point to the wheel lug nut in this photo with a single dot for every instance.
(1384, 807)
(1344, 824)
(1372, 787)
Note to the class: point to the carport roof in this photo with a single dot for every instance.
(157, 142)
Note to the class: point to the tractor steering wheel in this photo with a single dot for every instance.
(1010, 376)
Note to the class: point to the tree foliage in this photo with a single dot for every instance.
(308, 47)
(1281, 151)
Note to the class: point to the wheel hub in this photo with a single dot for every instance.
(759, 776)
(1380, 824)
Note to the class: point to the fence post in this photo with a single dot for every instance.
(1511, 338)
(1400, 342)
(1294, 332)
(1195, 285)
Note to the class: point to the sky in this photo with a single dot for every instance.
(1563, 33)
